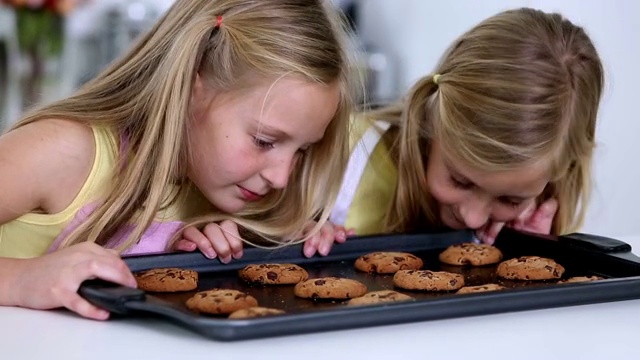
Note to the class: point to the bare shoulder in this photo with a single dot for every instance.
(44, 164)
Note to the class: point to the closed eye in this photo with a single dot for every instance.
(459, 183)
(262, 143)
(510, 202)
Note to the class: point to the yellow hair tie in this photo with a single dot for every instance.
(436, 78)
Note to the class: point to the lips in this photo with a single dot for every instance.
(249, 195)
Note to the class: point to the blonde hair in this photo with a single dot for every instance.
(146, 96)
(521, 87)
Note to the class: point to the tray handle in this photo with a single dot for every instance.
(109, 296)
(595, 242)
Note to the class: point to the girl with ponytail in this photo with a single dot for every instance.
(502, 132)
(228, 117)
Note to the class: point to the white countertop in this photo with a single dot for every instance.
(600, 331)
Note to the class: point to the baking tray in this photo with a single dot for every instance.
(580, 254)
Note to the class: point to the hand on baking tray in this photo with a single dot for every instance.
(52, 281)
(535, 218)
(214, 240)
(323, 241)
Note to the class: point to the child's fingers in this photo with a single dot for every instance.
(218, 242)
(489, 233)
(327, 237)
(524, 216)
(81, 306)
(542, 219)
(232, 236)
(311, 246)
(200, 239)
(184, 245)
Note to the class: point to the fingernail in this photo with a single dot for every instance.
(237, 255)
(351, 232)
(210, 255)
(225, 260)
(340, 235)
(308, 252)
(324, 249)
(103, 315)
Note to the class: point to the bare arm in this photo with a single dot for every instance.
(43, 167)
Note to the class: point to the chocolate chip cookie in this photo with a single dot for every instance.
(273, 274)
(479, 288)
(329, 288)
(387, 262)
(428, 280)
(220, 301)
(376, 297)
(167, 280)
(254, 312)
(471, 254)
(530, 268)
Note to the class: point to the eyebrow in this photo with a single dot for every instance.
(261, 127)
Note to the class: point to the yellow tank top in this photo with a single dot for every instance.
(31, 234)
(366, 199)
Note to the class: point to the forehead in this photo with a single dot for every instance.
(524, 181)
(297, 106)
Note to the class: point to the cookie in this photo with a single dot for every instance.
(220, 301)
(471, 254)
(530, 268)
(576, 279)
(167, 280)
(387, 262)
(329, 288)
(428, 280)
(376, 297)
(254, 312)
(479, 288)
(273, 274)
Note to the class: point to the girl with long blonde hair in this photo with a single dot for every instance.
(503, 131)
(229, 116)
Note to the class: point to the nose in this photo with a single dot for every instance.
(475, 212)
(278, 172)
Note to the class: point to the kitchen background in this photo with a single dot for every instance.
(401, 40)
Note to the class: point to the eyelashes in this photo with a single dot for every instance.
(262, 143)
(467, 185)
(269, 144)
(461, 184)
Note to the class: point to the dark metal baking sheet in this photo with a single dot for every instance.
(580, 254)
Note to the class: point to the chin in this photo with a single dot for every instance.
(229, 206)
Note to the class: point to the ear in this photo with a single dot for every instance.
(197, 92)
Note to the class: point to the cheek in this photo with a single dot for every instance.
(443, 191)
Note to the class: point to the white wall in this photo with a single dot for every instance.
(416, 32)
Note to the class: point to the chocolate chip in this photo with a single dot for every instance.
(319, 282)
(272, 276)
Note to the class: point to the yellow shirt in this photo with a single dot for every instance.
(365, 195)
(32, 234)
